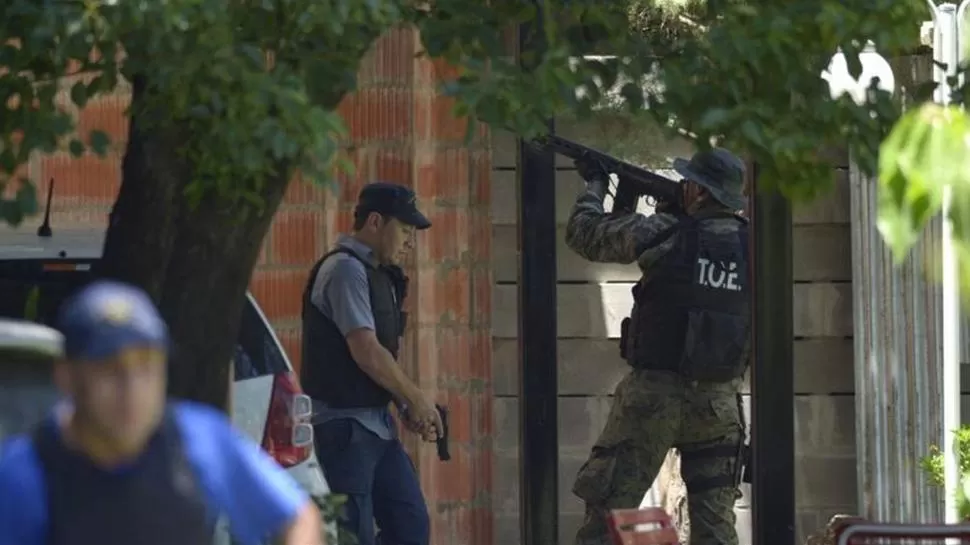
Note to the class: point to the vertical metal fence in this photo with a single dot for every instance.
(898, 359)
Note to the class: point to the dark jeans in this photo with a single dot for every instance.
(380, 483)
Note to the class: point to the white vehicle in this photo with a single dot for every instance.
(37, 273)
(26, 353)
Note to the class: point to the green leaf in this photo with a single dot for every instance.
(471, 129)
(98, 84)
(895, 223)
(26, 198)
(76, 147)
(633, 95)
(754, 133)
(961, 248)
(924, 91)
(607, 70)
(32, 304)
(79, 94)
(8, 161)
(99, 142)
(714, 119)
(927, 151)
(11, 213)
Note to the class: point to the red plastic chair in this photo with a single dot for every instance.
(861, 532)
(624, 527)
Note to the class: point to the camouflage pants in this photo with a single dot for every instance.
(653, 412)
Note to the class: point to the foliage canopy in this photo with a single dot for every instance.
(747, 71)
(238, 95)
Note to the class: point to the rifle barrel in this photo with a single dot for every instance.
(646, 182)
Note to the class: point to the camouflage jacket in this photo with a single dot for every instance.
(600, 237)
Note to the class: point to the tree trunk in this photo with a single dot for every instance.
(205, 287)
(141, 225)
(195, 263)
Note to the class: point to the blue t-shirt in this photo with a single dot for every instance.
(237, 478)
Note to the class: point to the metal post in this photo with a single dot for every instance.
(772, 375)
(907, 337)
(946, 51)
(898, 360)
(538, 381)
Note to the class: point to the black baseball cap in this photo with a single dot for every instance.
(394, 200)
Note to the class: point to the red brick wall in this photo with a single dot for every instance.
(402, 131)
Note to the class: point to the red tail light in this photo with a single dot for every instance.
(289, 435)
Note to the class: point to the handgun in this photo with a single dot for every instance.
(443, 453)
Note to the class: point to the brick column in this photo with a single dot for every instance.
(454, 311)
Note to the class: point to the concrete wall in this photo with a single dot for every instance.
(593, 298)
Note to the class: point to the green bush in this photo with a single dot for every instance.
(932, 465)
(331, 508)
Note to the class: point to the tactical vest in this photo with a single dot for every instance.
(329, 372)
(691, 314)
(157, 502)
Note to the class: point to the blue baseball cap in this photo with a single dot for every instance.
(106, 317)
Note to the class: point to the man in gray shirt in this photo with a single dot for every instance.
(352, 324)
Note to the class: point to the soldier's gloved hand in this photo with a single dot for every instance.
(596, 177)
(664, 207)
(590, 169)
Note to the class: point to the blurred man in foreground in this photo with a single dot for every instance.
(115, 464)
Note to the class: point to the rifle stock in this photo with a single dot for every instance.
(633, 181)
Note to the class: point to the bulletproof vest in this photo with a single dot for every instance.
(329, 372)
(691, 312)
(158, 501)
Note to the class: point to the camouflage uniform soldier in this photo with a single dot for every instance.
(686, 340)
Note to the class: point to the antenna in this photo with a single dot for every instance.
(45, 228)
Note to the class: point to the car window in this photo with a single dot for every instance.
(34, 290)
(26, 391)
(257, 354)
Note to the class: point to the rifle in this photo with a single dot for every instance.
(633, 183)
